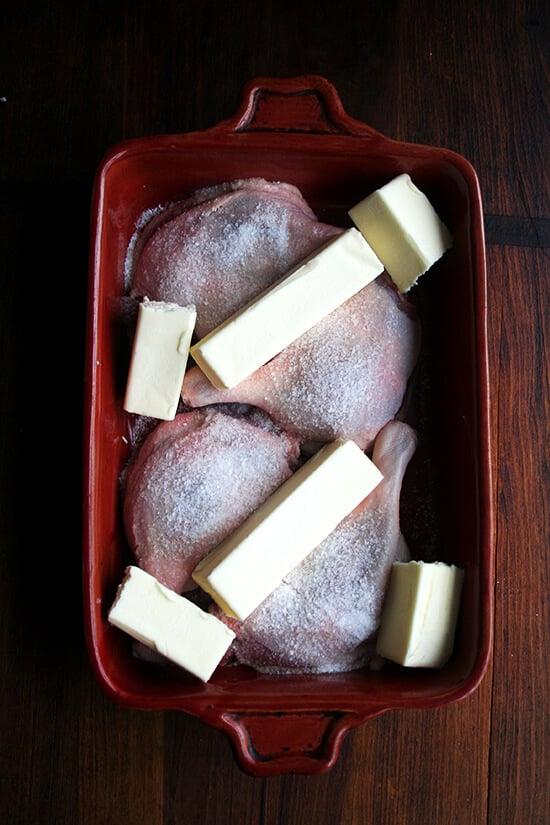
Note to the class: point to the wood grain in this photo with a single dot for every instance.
(76, 79)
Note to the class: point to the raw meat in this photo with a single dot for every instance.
(223, 246)
(320, 619)
(344, 378)
(194, 480)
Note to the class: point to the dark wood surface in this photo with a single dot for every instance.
(77, 78)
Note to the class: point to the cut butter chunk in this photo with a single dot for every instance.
(263, 328)
(245, 568)
(169, 623)
(159, 358)
(403, 228)
(420, 612)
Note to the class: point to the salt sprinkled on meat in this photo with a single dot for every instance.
(222, 252)
(344, 378)
(320, 619)
(194, 480)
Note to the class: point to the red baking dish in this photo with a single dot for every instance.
(296, 130)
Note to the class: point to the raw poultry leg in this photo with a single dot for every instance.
(194, 480)
(344, 378)
(223, 246)
(320, 618)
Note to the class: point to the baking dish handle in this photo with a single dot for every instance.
(308, 104)
(270, 743)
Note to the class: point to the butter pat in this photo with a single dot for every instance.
(263, 328)
(169, 623)
(159, 358)
(403, 228)
(420, 613)
(245, 568)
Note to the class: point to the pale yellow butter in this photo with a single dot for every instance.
(159, 358)
(420, 613)
(244, 569)
(403, 228)
(262, 329)
(169, 624)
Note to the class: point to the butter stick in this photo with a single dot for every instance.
(420, 612)
(159, 358)
(245, 568)
(403, 228)
(262, 329)
(169, 624)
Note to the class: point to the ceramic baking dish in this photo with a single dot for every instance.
(296, 130)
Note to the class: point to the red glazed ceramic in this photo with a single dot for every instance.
(296, 130)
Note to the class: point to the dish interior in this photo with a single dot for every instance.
(442, 502)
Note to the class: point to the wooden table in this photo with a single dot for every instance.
(78, 78)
